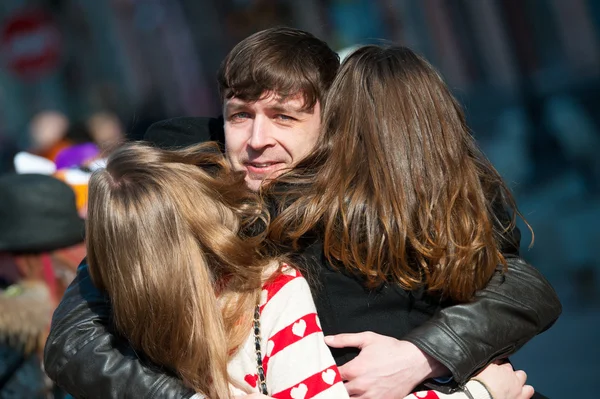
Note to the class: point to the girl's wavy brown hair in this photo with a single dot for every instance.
(176, 239)
(397, 188)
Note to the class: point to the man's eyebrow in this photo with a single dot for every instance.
(289, 109)
(235, 106)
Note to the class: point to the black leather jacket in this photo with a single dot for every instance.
(86, 358)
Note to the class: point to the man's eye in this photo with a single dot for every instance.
(240, 115)
(285, 117)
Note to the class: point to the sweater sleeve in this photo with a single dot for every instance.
(296, 360)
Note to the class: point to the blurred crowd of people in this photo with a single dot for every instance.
(43, 197)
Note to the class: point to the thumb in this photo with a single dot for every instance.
(358, 340)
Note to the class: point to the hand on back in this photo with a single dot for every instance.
(386, 368)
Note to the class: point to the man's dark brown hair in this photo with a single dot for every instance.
(283, 60)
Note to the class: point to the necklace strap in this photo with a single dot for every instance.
(262, 383)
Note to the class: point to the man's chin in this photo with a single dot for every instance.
(254, 183)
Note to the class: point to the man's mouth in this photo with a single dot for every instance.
(262, 167)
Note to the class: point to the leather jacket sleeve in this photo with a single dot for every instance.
(88, 360)
(515, 306)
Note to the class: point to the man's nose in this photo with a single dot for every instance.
(262, 133)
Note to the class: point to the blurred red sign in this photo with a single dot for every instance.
(30, 43)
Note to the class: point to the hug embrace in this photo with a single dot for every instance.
(337, 234)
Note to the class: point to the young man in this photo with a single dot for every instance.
(273, 86)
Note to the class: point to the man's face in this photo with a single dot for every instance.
(266, 137)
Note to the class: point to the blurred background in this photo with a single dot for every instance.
(527, 72)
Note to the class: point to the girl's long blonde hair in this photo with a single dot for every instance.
(176, 239)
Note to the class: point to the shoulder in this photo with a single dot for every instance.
(285, 299)
(284, 279)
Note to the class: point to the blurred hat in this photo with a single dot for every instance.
(185, 131)
(37, 214)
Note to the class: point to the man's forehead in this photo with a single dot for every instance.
(271, 100)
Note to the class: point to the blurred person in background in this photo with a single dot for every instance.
(106, 130)
(41, 240)
(47, 134)
(274, 85)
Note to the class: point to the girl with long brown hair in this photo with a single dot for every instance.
(397, 190)
(398, 186)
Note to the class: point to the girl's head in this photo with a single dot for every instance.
(399, 188)
(175, 238)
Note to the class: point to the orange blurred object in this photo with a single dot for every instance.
(78, 182)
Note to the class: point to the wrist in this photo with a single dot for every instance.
(477, 390)
(433, 368)
(427, 366)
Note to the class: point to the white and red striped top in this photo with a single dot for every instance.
(297, 363)
(296, 360)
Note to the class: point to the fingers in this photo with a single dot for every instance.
(350, 370)
(527, 392)
(355, 388)
(358, 340)
(521, 376)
